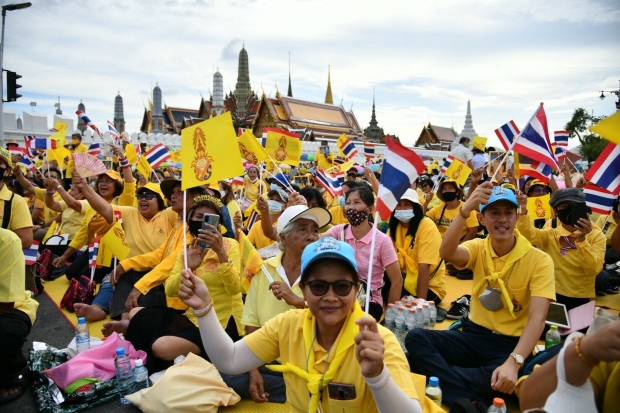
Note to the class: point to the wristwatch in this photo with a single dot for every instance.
(518, 358)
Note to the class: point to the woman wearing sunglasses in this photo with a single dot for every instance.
(334, 359)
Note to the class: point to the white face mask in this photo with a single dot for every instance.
(222, 194)
(274, 206)
(404, 215)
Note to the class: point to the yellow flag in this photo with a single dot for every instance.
(210, 152)
(250, 149)
(283, 146)
(346, 166)
(516, 166)
(114, 239)
(251, 261)
(480, 142)
(458, 171)
(130, 153)
(608, 128)
(340, 144)
(144, 167)
(62, 153)
(104, 255)
(538, 207)
(61, 133)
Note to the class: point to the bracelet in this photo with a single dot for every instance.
(461, 214)
(50, 192)
(59, 186)
(580, 354)
(124, 163)
(204, 311)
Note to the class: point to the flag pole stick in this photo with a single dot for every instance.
(156, 176)
(372, 256)
(184, 228)
(262, 266)
(279, 171)
(499, 165)
(92, 270)
(115, 264)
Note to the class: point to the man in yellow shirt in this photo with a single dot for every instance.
(14, 213)
(431, 166)
(513, 285)
(428, 197)
(450, 194)
(324, 158)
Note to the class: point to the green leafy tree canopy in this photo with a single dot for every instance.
(591, 144)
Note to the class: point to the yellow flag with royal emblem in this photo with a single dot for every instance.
(210, 152)
(250, 149)
(115, 240)
(283, 146)
(144, 167)
(251, 261)
(538, 207)
(609, 128)
(458, 171)
(104, 256)
(480, 143)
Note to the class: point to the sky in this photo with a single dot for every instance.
(423, 60)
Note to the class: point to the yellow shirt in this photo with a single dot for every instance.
(611, 225)
(233, 208)
(260, 303)
(574, 272)
(605, 379)
(258, 238)
(251, 188)
(145, 236)
(36, 204)
(13, 275)
(20, 215)
(223, 281)
(324, 162)
(338, 216)
(433, 203)
(39, 193)
(532, 276)
(431, 166)
(282, 337)
(448, 216)
(425, 251)
(70, 166)
(71, 219)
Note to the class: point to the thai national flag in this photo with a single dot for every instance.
(600, 200)
(157, 155)
(560, 152)
(369, 150)
(328, 182)
(446, 164)
(95, 150)
(605, 171)
(29, 140)
(87, 121)
(534, 142)
(401, 168)
(561, 137)
(19, 151)
(138, 150)
(506, 134)
(93, 250)
(30, 254)
(238, 180)
(252, 218)
(113, 132)
(43, 143)
(348, 148)
(27, 163)
(534, 168)
(340, 176)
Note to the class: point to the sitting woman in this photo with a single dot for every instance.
(333, 358)
(72, 207)
(417, 241)
(165, 334)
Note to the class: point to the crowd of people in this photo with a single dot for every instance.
(297, 333)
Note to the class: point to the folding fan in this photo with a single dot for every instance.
(88, 165)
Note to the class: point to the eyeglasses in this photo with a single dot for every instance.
(146, 195)
(543, 191)
(319, 288)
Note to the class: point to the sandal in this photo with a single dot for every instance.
(11, 381)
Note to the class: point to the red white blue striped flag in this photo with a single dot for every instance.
(369, 150)
(348, 148)
(600, 200)
(446, 164)
(27, 163)
(43, 143)
(87, 121)
(328, 182)
(506, 134)
(157, 155)
(95, 150)
(113, 132)
(561, 137)
(605, 171)
(252, 218)
(534, 142)
(30, 254)
(93, 249)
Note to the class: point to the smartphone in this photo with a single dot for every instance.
(557, 315)
(341, 391)
(210, 219)
(577, 211)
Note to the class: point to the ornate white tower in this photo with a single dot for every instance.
(157, 117)
(468, 130)
(119, 116)
(218, 93)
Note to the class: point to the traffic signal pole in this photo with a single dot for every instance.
(2, 81)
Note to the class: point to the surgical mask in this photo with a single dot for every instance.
(274, 187)
(564, 216)
(449, 196)
(404, 215)
(356, 217)
(274, 206)
(341, 201)
(194, 226)
(491, 299)
(222, 194)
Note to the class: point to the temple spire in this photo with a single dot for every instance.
(468, 130)
(290, 88)
(373, 117)
(328, 95)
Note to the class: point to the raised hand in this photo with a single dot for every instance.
(193, 291)
(370, 348)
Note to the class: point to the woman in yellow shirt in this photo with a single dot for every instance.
(72, 207)
(333, 358)
(228, 198)
(252, 187)
(416, 241)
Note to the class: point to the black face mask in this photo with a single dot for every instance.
(449, 196)
(194, 226)
(564, 216)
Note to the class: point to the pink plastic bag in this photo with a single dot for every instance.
(97, 363)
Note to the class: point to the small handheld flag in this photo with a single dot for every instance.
(506, 134)
(113, 132)
(43, 143)
(93, 250)
(87, 121)
(369, 150)
(95, 150)
(600, 200)
(157, 155)
(30, 254)
(446, 164)
(27, 163)
(533, 141)
(347, 147)
(561, 137)
(605, 171)
(328, 182)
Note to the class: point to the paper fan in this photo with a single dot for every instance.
(88, 165)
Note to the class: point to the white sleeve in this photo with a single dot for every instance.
(226, 356)
(388, 396)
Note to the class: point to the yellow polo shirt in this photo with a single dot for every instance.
(611, 226)
(20, 215)
(258, 238)
(324, 162)
(39, 193)
(260, 303)
(282, 337)
(145, 236)
(532, 276)
(448, 217)
(574, 272)
(71, 219)
(338, 216)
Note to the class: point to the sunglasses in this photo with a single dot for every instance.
(543, 191)
(319, 288)
(146, 195)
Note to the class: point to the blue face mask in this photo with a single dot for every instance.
(404, 215)
(341, 201)
(274, 187)
(274, 206)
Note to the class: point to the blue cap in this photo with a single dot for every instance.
(501, 194)
(280, 178)
(328, 248)
(433, 381)
(120, 351)
(81, 320)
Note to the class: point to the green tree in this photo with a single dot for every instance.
(591, 144)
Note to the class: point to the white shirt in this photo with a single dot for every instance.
(479, 160)
(462, 153)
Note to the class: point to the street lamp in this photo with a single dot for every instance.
(613, 92)
(8, 7)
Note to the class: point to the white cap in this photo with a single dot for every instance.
(411, 195)
(138, 363)
(319, 215)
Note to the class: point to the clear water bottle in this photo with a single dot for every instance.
(498, 406)
(140, 376)
(433, 391)
(427, 315)
(82, 335)
(432, 311)
(400, 326)
(124, 374)
(419, 317)
(553, 337)
(410, 319)
(390, 315)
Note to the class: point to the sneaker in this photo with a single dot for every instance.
(611, 267)
(613, 289)
(601, 293)
(460, 308)
(465, 275)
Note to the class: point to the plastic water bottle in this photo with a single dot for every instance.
(427, 315)
(390, 315)
(498, 406)
(410, 319)
(400, 326)
(124, 374)
(553, 337)
(419, 316)
(433, 391)
(82, 335)
(140, 376)
(432, 311)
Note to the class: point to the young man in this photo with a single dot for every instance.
(324, 158)
(513, 285)
(450, 194)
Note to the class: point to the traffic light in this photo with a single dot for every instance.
(12, 86)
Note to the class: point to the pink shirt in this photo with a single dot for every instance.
(384, 255)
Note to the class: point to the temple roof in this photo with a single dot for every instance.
(436, 137)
